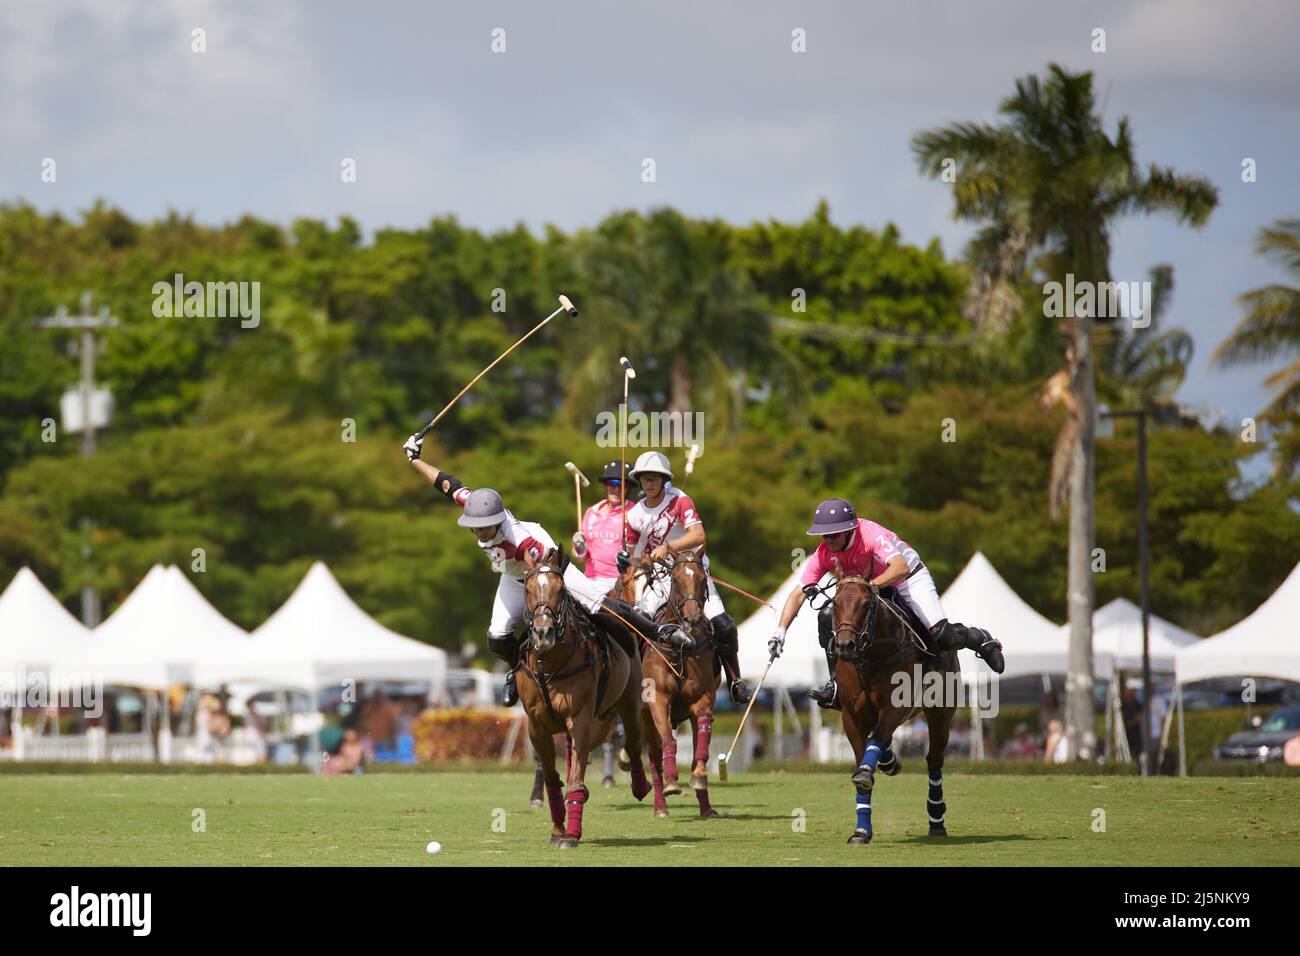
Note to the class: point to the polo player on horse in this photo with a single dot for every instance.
(867, 549)
(513, 546)
(664, 522)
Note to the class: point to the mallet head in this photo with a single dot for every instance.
(628, 370)
(569, 307)
(690, 458)
(573, 470)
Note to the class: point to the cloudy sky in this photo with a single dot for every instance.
(555, 128)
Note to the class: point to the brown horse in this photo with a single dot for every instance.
(573, 682)
(877, 656)
(626, 589)
(686, 687)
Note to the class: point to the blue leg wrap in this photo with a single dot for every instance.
(935, 807)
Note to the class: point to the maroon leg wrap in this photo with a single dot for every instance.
(703, 797)
(670, 756)
(574, 801)
(640, 786)
(704, 736)
(661, 802)
(555, 797)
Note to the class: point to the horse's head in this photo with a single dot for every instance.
(689, 591)
(849, 614)
(544, 602)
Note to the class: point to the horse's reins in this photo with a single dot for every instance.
(560, 617)
(875, 601)
(677, 609)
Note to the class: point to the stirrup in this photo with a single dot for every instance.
(740, 692)
(827, 696)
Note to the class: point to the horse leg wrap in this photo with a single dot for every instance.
(661, 802)
(863, 805)
(640, 786)
(889, 763)
(555, 797)
(607, 748)
(864, 778)
(703, 738)
(934, 805)
(670, 756)
(573, 803)
(705, 807)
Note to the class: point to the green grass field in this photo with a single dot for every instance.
(387, 819)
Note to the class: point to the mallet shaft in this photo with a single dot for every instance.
(565, 306)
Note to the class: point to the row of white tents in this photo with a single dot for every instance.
(1265, 644)
(166, 633)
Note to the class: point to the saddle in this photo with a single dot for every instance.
(935, 659)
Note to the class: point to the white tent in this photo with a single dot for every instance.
(320, 638)
(1117, 636)
(1265, 644)
(35, 629)
(161, 633)
(1032, 644)
(802, 663)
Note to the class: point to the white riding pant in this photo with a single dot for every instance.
(919, 591)
(588, 592)
(507, 607)
(655, 594)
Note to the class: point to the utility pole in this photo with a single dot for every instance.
(1144, 578)
(86, 323)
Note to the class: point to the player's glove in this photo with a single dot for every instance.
(776, 643)
(623, 561)
(579, 545)
(412, 447)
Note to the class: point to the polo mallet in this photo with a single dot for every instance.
(690, 460)
(579, 482)
(753, 597)
(724, 759)
(629, 373)
(566, 305)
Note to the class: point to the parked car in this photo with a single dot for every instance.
(1262, 744)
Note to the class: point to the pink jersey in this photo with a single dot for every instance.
(869, 550)
(602, 526)
(667, 521)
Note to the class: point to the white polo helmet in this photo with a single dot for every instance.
(652, 462)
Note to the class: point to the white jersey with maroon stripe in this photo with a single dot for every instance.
(513, 540)
(647, 527)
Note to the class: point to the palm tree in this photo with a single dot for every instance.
(1046, 185)
(670, 296)
(1271, 329)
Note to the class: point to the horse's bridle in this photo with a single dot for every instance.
(677, 609)
(862, 638)
(860, 647)
(559, 615)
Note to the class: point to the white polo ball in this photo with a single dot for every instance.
(433, 847)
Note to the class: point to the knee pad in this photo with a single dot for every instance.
(725, 632)
(825, 621)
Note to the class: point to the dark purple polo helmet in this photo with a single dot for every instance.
(611, 472)
(832, 516)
